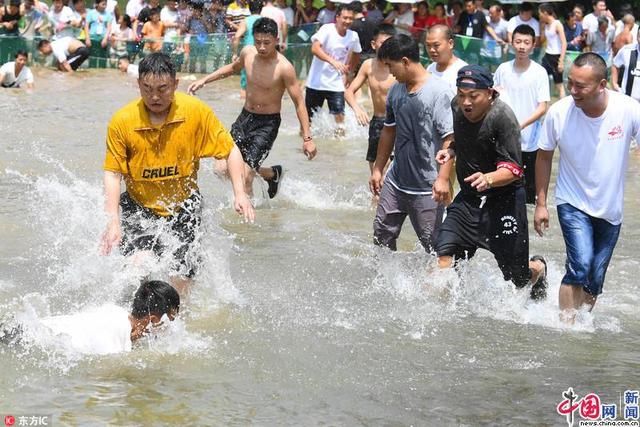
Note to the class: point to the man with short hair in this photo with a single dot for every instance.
(524, 86)
(275, 13)
(626, 62)
(377, 76)
(69, 52)
(9, 18)
(524, 17)
(491, 52)
(269, 74)
(155, 144)
(590, 22)
(418, 122)
(445, 64)
(473, 23)
(16, 73)
(489, 212)
(601, 41)
(592, 129)
(336, 53)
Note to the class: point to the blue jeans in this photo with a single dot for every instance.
(589, 244)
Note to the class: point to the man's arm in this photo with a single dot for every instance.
(563, 45)
(385, 147)
(220, 73)
(354, 60)
(113, 234)
(537, 114)
(615, 75)
(293, 89)
(242, 28)
(241, 203)
(318, 51)
(356, 84)
(543, 176)
(492, 33)
(441, 186)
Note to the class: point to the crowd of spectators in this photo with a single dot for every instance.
(192, 31)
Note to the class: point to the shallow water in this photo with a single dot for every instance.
(296, 319)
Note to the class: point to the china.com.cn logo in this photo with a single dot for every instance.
(590, 407)
(9, 420)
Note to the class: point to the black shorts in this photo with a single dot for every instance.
(550, 63)
(254, 135)
(314, 100)
(142, 229)
(499, 226)
(375, 129)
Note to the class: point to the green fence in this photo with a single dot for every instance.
(206, 54)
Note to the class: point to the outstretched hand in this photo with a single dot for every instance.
(243, 206)
(195, 86)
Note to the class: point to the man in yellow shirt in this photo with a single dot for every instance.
(155, 144)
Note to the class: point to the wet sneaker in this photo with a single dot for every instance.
(539, 289)
(274, 183)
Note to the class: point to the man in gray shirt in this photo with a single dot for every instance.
(418, 121)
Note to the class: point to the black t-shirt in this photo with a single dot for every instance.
(365, 30)
(477, 22)
(482, 146)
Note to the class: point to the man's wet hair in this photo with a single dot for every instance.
(525, 30)
(594, 61)
(155, 297)
(255, 6)
(157, 64)
(399, 46)
(22, 52)
(266, 26)
(386, 29)
(445, 29)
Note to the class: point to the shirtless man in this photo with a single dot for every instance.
(377, 76)
(69, 52)
(269, 73)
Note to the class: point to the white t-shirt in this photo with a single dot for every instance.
(60, 22)
(490, 47)
(289, 15)
(322, 76)
(406, 19)
(523, 91)
(100, 330)
(590, 23)
(169, 16)
(133, 8)
(132, 70)
(10, 79)
(450, 75)
(516, 20)
(60, 48)
(623, 58)
(594, 153)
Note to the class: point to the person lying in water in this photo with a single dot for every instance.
(107, 329)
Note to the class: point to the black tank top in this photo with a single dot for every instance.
(7, 17)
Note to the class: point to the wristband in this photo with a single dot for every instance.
(489, 180)
(307, 138)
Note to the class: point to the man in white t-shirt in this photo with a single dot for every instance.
(16, 73)
(590, 22)
(592, 129)
(336, 54)
(328, 13)
(626, 61)
(106, 329)
(69, 52)
(524, 16)
(439, 43)
(523, 84)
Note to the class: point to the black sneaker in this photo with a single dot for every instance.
(539, 289)
(274, 182)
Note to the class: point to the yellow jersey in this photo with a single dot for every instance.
(160, 162)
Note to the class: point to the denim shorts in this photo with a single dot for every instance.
(314, 99)
(589, 244)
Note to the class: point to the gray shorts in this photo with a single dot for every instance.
(393, 207)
